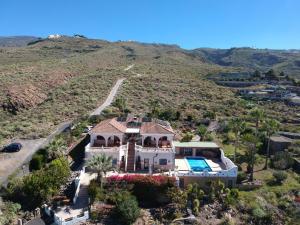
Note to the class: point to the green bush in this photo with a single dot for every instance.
(187, 137)
(95, 191)
(9, 211)
(127, 209)
(149, 190)
(39, 186)
(282, 160)
(36, 162)
(241, 177)
(280, 176)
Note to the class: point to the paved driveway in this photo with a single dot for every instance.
(10, 161)
(109, 98)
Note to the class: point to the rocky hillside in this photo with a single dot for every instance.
(53, 80)
(249, 59)
(16, 41)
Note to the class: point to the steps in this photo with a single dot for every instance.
(131, 157)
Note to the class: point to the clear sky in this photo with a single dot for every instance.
(188, 23)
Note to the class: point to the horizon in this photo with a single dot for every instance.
(154, 43)
(231, 24)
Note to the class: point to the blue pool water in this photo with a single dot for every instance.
(198, 164)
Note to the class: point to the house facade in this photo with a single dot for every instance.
(135, 144)
(148, 145)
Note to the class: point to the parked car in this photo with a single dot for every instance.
(12, 147)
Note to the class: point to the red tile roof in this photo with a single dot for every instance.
(155, 128)
(113, 126)
(109, 126)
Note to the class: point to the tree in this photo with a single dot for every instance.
(202, 131)
(127, 208)
(120, 103)
(56, 148)
(101, 164)
(39, 186)
(237, 126)
(271, 75)
(257, 115)
(187, 137)
(154, 108)
(271, 126)
(251, 142)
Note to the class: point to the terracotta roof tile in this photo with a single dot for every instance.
(152, 127)
(109, 126)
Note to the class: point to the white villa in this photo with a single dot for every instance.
(147, 145)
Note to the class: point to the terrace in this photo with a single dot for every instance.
(154, 142)
(202, 159)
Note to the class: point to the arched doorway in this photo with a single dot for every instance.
(163, 142)
(99, 141)
(150, 141)
(113, 141)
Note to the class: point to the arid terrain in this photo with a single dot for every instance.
(50, 81)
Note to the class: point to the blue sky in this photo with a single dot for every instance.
(188, 23)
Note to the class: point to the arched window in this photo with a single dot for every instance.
(113, 141)
(150, 142)
(163, 142)
(100, 141)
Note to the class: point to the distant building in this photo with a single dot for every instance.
(54, 36)
(279, 143)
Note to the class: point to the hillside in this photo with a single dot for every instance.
(250, 59)
(16, 41)
(53, 80)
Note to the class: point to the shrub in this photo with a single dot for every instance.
(127, 209)
(187, 137)
(282, 160)
(196, 206)
(95, 191)
(149, 190)
(241, 177)
(36, 162)
(280, 176)
(9, 212)
(36, 188)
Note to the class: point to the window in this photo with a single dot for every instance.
(163, 162)
(188, 151)
(114, 162)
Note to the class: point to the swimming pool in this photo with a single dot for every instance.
(198, 164)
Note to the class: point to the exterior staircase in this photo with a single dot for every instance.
(131, 157)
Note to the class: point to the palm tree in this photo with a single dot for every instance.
(237, 126)
(257, 115)
(57, 148)
(251, 141)
(271, 126)
(101, 164)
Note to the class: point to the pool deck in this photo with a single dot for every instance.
(182, 165)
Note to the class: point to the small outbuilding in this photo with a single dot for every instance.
(279, 143)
